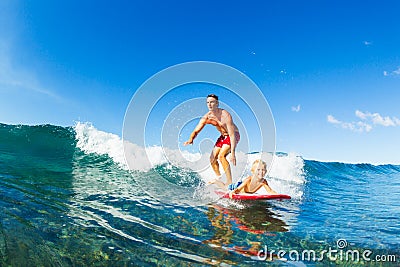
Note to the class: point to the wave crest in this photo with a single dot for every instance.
(285, 176)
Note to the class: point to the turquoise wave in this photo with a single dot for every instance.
(62, 206)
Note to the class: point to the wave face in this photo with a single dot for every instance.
(68, 198)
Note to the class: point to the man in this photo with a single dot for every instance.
(225, 144)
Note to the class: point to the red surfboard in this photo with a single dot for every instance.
(252, 196)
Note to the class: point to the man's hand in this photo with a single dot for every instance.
(188, 142)
(231, 194)
(233, 158)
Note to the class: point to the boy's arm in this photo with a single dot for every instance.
(240, 187)
(196, 131)
(268, 188)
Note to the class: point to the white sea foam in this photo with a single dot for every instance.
(91, 140)
(285, 176)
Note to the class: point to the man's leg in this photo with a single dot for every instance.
(215, 166)
(214, 161)
(223, 152)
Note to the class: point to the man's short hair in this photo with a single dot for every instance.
(213, 96)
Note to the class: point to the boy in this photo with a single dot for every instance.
(253, 183)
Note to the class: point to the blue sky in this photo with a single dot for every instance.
(330, 70)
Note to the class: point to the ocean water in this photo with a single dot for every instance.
(68, 199)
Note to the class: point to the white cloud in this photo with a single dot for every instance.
(362, 126)
(367, 43)
(296, 108)
(361, 115)
(368, 120)
(377, 119)
(352, 126)
(384, 121)
(332, 119)
(392, 73)
(396, 72)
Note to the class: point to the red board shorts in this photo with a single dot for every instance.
(225, 140)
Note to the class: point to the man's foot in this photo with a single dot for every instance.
(214, 181)
(221, 185)
(217, 182)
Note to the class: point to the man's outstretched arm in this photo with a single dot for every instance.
(196, 131)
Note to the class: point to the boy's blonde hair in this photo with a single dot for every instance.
(256, 163)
